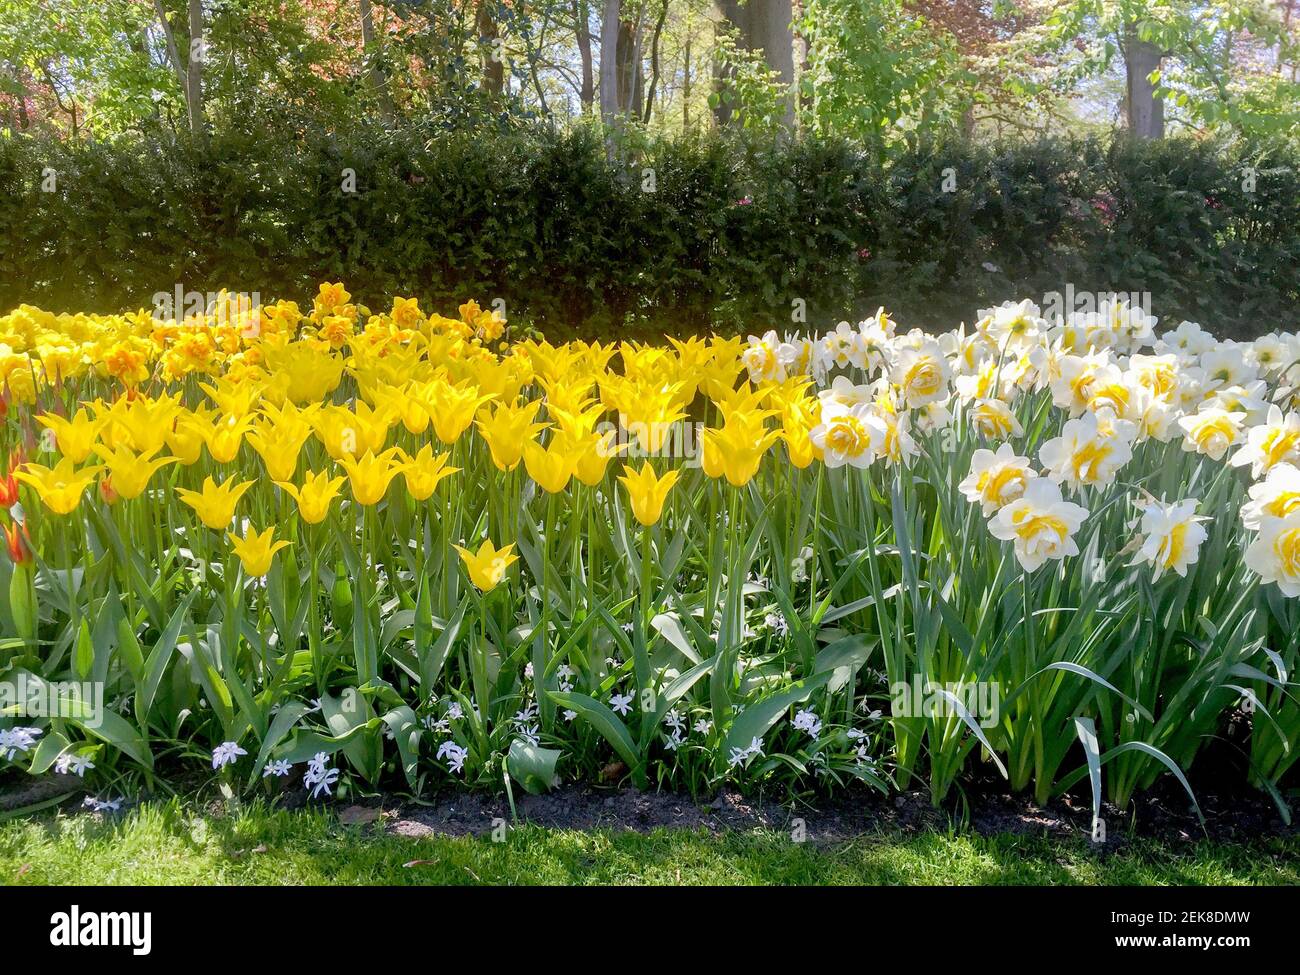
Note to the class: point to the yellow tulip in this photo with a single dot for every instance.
(74, 437)
(369, 476)
(453, 407)
(647, 492)
(225, 436)
(315, 495)
(423, 472)
(233, 398)
(255, 551)
(186, 438)
(142, 423)
(130, 472)
(60, 487)
(279, 448)
(506, 428)
(736, 450)
(594, 454)
(487, 567)
(552, 466)
(215, 504)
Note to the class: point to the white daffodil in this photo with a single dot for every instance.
(921, 374)
(1275, 552)
(1277, 496)
(762, 360)
(996, 478)
(1040, 525)
(853, 436)
(994, 419)
(1211, 431)
(1275, 441)
(1171, 536)
(1090, 450)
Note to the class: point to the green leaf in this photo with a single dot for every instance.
(754, 721)
(532, 767)
(604, 721)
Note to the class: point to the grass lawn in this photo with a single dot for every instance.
(175, 844)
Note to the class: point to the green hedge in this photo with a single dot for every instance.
(573, 244)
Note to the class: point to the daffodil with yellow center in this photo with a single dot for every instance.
(996, 479)
(129, 472)
(314, 496)
(215, 503)
(60, 487)
(256, 551)
(1275, 553)
(424, 472)
(647, 491)
(487, 567)
(75, 436)
(370, 475)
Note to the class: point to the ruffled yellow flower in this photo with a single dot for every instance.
(487, 567)
(255, 551)
(59, 488)
(647, 492)
(215, 503)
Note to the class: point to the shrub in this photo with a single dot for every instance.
(731, 236)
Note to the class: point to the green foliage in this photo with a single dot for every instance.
(731, 234)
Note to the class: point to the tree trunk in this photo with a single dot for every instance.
(800, 57)
(762, 26)
(609, 24)
(587, 94)
(631, 79)
(378, 79)
(194, 71)
(654, 62)
(1145, 112)
(686, 81)
(494, 73)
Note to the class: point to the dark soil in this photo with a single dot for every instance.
(583, 807)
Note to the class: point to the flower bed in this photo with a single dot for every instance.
(399, 549)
